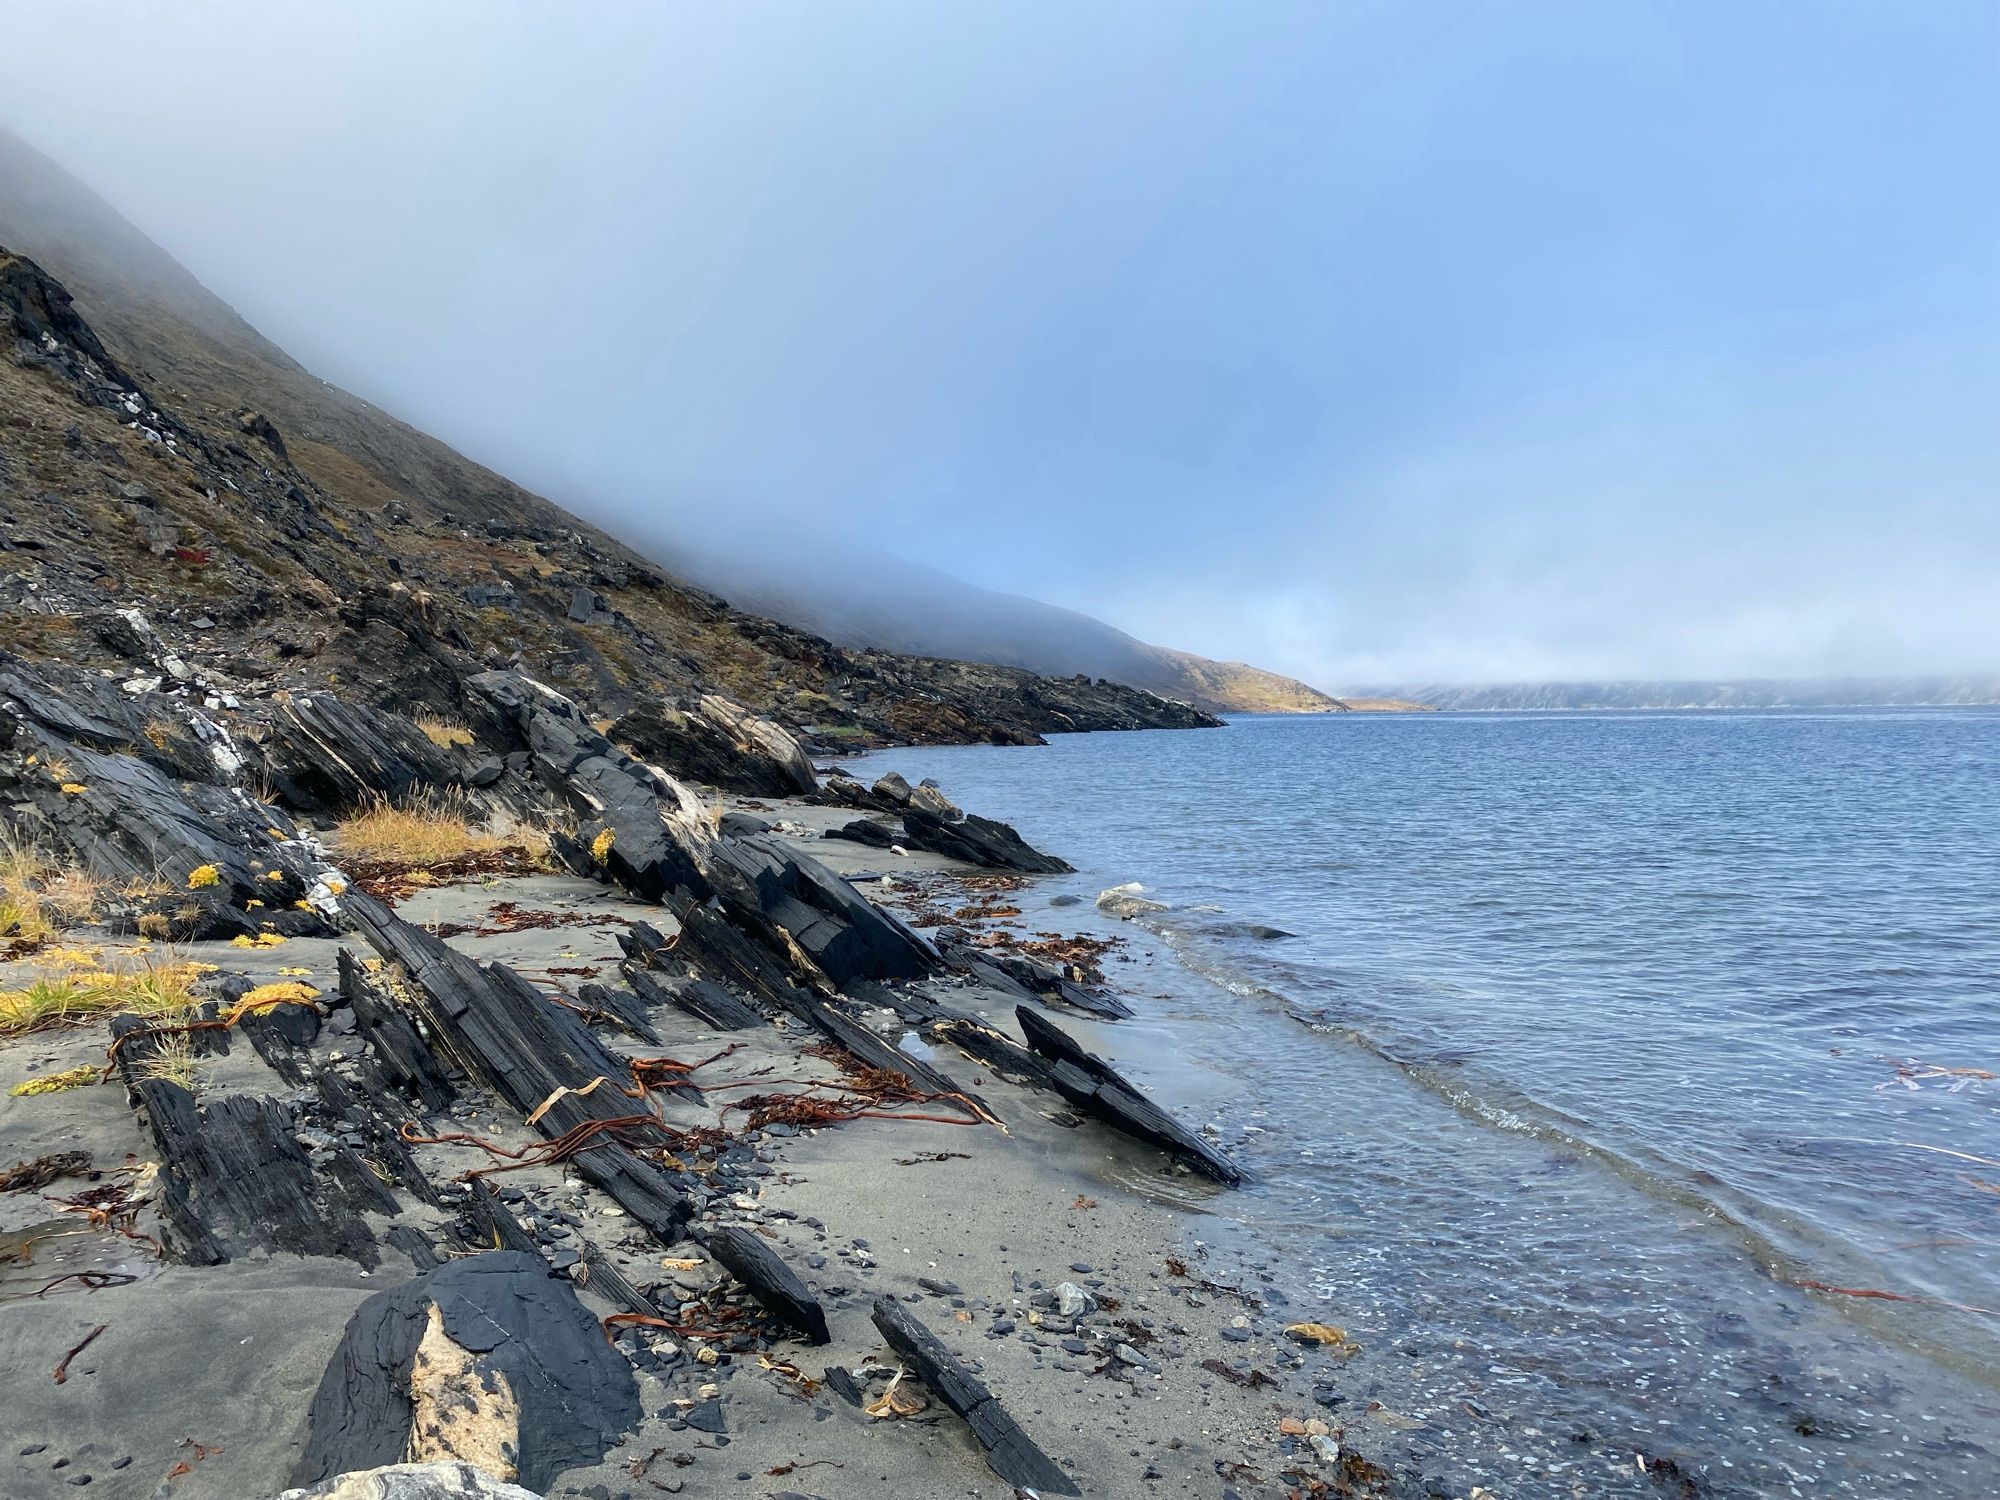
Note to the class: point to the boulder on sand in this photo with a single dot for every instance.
(487, 1360)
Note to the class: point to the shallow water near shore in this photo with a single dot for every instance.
(1592, 1036)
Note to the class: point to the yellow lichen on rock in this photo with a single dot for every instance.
(204, 875)
(284, 992)
(600, 847)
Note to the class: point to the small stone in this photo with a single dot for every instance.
(1072, 1301)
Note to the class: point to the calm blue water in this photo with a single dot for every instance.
(1594, 1035)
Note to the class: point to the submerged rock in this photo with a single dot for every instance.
(1126, 901)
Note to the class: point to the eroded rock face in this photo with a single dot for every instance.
(643, 829)
(770, 891)
(414, 1481)
(718, 743)
(143, 791)
(323, 755)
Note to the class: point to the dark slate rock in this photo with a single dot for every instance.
(769, 890)
(525, 1048)
(1010, 1452)
(1091, 1083)
(403, 1054)
(751, 1261)
(718, 743)
(576, 1393)
(1029, 976)
(324, 755)
(707, 1002)
(620, 1008)
(705, 1416)
(865, 831)
(976, 840)
(893, 789)
(129, 820)
(236, 1180)
(844, 791)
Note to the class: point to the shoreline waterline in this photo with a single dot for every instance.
(1596, 1242)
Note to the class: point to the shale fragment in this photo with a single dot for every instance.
(1012, 1454)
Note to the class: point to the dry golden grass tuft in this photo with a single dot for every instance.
(445, 733)
(170, 1060)
(429, 831)
(39, 898)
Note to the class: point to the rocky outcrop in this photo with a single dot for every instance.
(1092, 1084)
(323, 755)
(93, 777)
(978, 841)
(643, 829)
(537, 1056)
(718, 743)
(237, 1181)
(1027, 975)
(797, 904)
(487, 1360)
(932, 822)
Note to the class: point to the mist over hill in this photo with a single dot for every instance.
(173, 327)
(298, 534)
(1966, 690)
(867, 598)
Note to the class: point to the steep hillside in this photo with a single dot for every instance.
(159, 453)
(175, 334)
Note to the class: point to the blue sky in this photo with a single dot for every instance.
(1373, 342)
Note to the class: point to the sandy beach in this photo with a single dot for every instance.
(1060, 1261)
